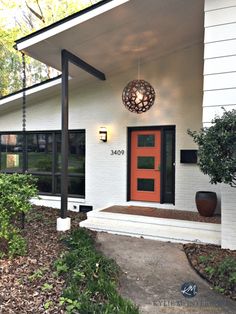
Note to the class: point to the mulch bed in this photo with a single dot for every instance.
(162, 213)
(28, 283)
(213, 256)
(24, 280)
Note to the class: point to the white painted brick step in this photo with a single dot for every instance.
(162, 229)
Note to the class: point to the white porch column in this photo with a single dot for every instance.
(219, 90)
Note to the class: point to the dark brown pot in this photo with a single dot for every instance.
(206, 203)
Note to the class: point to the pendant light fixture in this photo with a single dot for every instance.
(138, 96)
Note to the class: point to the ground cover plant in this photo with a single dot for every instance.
(216, 265)
(91, 278)
(37, 282)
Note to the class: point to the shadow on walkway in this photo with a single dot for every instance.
(153, 273)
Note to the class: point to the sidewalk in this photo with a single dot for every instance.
(154, 273)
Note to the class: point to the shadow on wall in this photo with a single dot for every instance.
(218, 207)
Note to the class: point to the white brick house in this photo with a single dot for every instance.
(186, 49)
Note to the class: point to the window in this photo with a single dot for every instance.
(43, 159)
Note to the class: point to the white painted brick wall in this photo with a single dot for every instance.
(220, 89)
(228, 222)
(177, 79)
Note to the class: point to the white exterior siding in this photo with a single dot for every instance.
(219, 58)
(177, 80)
(220, 88)
(218, 4)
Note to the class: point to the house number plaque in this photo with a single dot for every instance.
(117, 152)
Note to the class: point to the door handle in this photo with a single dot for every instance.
(158, 168)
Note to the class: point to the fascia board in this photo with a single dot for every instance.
(64, 26)
(30, 91)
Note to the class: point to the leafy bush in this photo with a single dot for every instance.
(90, 279)
(15, 193)
(217, 149)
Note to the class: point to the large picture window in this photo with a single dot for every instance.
(43, 159)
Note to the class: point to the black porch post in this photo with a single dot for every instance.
(64, 135)
(67, 57)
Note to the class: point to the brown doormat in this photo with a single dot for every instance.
(162, 213)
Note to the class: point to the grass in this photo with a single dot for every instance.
(91, 279)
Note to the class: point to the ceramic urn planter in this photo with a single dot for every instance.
(206, 202)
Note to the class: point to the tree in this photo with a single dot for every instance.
(217, 148)
(18, 18)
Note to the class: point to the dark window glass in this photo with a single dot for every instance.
(76, 156)
(76, 185)
(146, 162)
(39, 152)
(44, 183)
(145, 185)
(11, 152)
(146, 140)
(44, 159)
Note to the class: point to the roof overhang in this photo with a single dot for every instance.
(114, 35)
(35, 92)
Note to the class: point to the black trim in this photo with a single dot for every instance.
(66, 19)
(70, 57)
(174, 165)
(165, 197)
(30, 87)
(163, 162)
(162, 128)
(66, 58)
(128, 161)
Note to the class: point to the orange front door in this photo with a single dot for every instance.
(145, 165)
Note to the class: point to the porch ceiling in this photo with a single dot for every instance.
(115, 40)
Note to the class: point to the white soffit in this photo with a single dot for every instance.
(115, 36)
(69, 24)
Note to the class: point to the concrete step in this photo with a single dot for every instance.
(163, 229)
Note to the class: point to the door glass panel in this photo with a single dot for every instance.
(146, 162)
(145, 185)
(146, 140)
(168, 173)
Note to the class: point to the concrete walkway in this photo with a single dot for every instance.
(154, 273)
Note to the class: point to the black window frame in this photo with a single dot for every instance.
(54, 173)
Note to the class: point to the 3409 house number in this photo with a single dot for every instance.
(118, 152)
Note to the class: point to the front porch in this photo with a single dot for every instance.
(156, 224)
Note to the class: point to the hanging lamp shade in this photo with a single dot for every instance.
(138, 96)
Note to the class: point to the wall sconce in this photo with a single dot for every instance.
(103, 134)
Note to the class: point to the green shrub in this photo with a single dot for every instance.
(217, 148)
(16, 190)
(91, 279)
